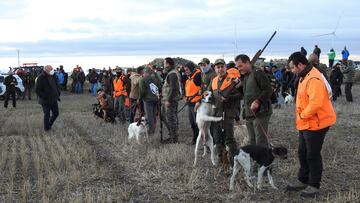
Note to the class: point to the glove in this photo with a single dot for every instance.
(59, 99)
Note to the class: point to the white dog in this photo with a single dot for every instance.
(138, 129)
(289, 99)
(204, 117)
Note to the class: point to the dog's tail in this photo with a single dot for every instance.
(210, 118)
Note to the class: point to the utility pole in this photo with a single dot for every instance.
(18, 53)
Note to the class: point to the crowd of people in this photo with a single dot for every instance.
(239, 89)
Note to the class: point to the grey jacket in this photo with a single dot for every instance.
(348, 72)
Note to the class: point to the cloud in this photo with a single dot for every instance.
(41, 27)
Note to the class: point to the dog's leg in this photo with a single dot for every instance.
(198, 140)
(260, 176)
(235, 172)
(244, 159)
(210, 143)
(270, 178)
(203, 135)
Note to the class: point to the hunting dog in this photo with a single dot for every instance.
(138, 129)
(263, 156)
(204, 117)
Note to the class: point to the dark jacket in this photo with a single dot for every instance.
(10, 82)
(93, 77)
(28, 80)
(336, 77)
(47, 89)
(82, 77)
(256, 85)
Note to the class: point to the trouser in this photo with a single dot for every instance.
(224, 136)
(7, 97)
(93, 88)
(49, 120)
(311, 166)
(348, 93)
(77, 87)
(331, 63)
(133, 108)
(27, 91)
(151, 109)
(169, 117)
(192, 119)
(119, 107)
(258, 129)
(336, 91)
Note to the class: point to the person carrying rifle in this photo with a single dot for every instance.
(192, 89)
(227, 100)
(257, 108)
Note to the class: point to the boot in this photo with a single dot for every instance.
(295, 185)
(309, 191)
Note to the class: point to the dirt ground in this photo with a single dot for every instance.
(84, 159)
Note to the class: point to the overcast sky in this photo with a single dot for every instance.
(47, 28)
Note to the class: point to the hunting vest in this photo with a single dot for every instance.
(191, 89)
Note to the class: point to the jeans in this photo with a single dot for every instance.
(49, 121)
(119, 107)
(78, 87)
(192, 119)
(311, 166)
(93, 88)
(151, 109)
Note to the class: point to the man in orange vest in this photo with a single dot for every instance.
(192, 88)
(119, 94)
(314, 116)
(226, 107)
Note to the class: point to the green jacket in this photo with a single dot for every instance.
(231, 106)
(171, 88)
(331, 55)
(206, 79)
(256, 85)
(149, 88)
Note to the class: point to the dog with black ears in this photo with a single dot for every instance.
(261, 155)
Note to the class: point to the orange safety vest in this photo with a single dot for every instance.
(314, 110)
(233, 72)
(119, 87)
(191, 89)
(226, 83)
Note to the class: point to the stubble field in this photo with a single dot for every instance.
(84, 159)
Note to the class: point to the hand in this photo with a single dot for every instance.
(167, 104)
(255, 105)
(223, 98)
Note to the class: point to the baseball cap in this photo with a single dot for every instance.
(219, 61)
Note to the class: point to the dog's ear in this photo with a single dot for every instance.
(138, 123)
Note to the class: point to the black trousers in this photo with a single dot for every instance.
(336, 91)
(7, 97)
(192, 119)
(311, 166)
(348, 93)
(49, 120)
